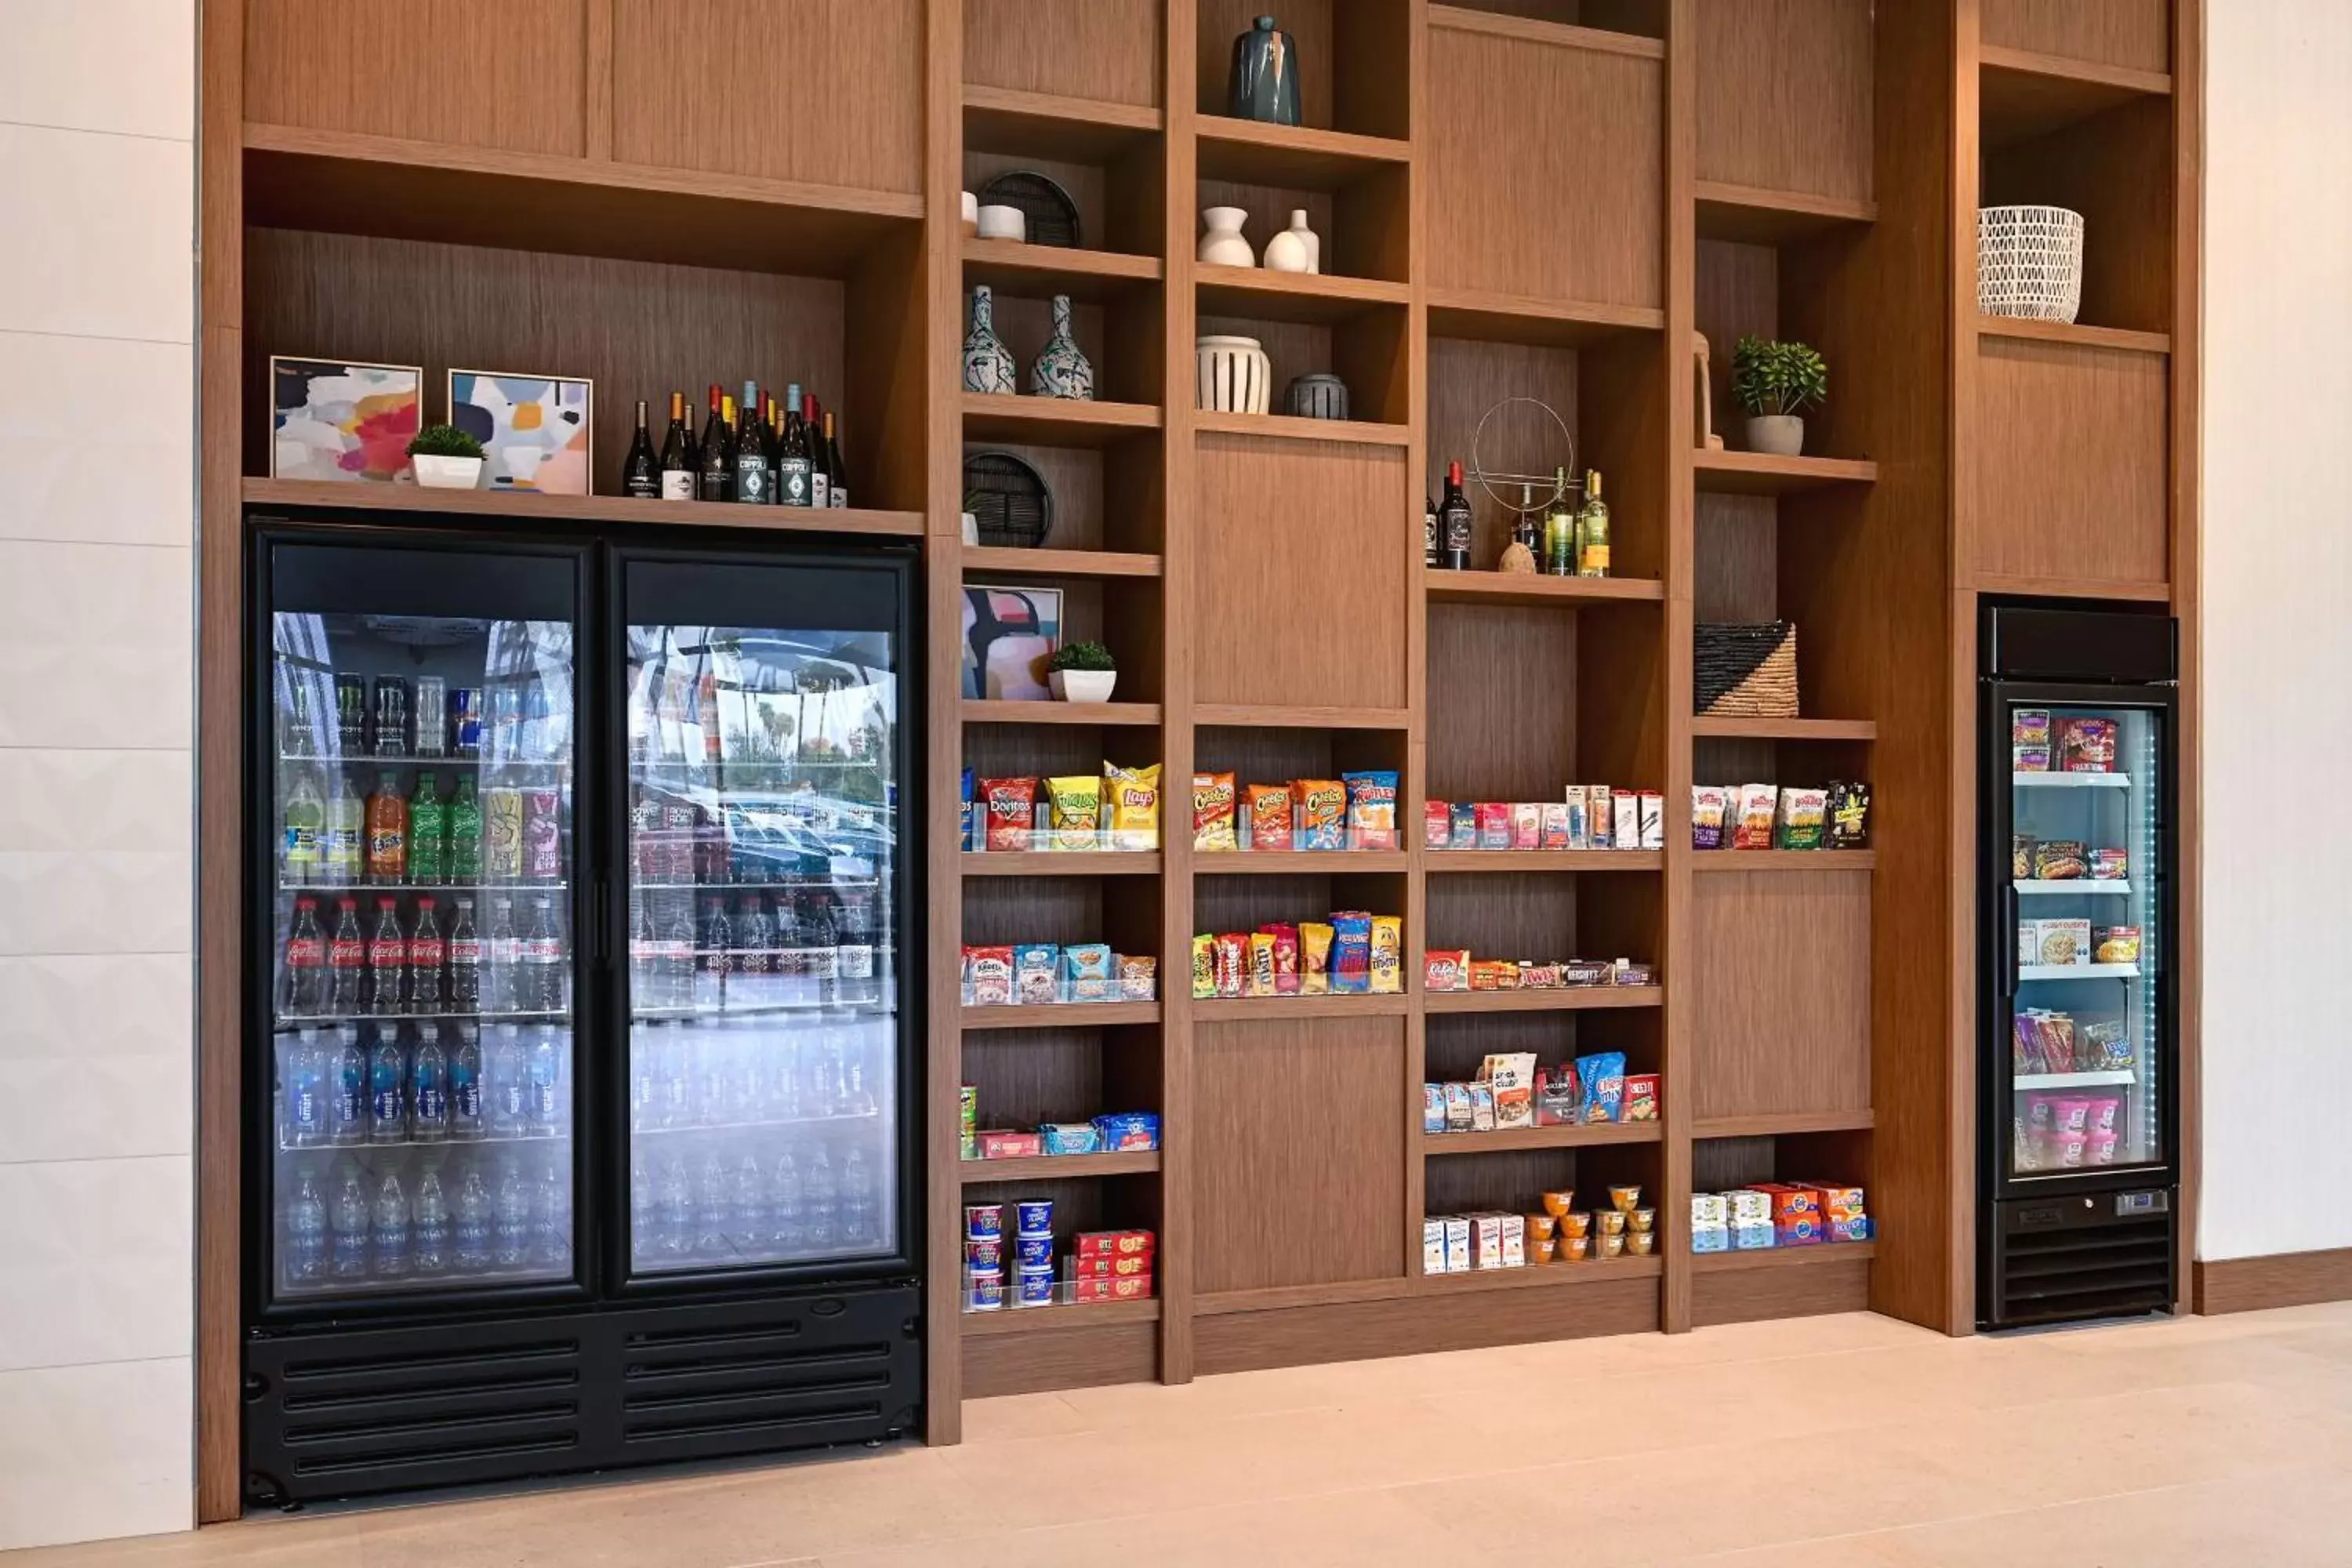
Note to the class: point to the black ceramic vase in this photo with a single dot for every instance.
(1266, 75)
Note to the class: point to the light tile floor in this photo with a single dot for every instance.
(1824, 1442)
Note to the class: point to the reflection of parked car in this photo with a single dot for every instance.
(803, 832)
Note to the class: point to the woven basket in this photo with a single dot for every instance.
(2030, 263)
(1747, 670)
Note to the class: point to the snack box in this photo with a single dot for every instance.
(1433, 1246)
(1446, 969)
(1747, 1207)
(2060, 943)
(1847, 1227)
(1457, 1243)
(1487, 1241)
(1432, 1107)
(1109, 1265)
(1840, 1200)
(1494, 824)
(1124, 1131)
(1437, 825)
(1011, 1145)
(1715, 1238)
(1482, 1108)
(1751, 1237)
(1494, 975)
(2114, 945)
(1089, 1291)
(1654, 819)
(1070, 1137)
(1088, 973)
(1788, 1200)
(1641, 1100)
(1110, 1243)
(1709, 1212)
(1457, 1108)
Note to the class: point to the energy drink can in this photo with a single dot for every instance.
(466, 721)
(432, 703)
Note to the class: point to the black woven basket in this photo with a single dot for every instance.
(1747, 670)
(1008, 500)
(1052, 217)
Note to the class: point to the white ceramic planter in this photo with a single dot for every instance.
(447, 473)
(1081, 685)
(1780, 435)
(1236, 377)
(1224, 245)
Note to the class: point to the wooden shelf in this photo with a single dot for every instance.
(2074, 335)
(1058, 1167)
(1783, 1256)
(1784, 860)
(2022, 95)
(1050, 863)
(1054, 421)
(1048, 1320)
(520, 506)
(1519, 589)
(345, 183)
(1207, 715)
(1543, 1276)
(1039, 271)
(1447, 862)
(1750, 215)
(998, 561)
(1299, 862)
(1047, 125)
(1061, 1015)
(1557, 35)
(1541, 1138)
(2072, 588)
(1548, 323)
(1782, 1123)
(1762, 474)
(1734, 727)
(1285, 427)
(1355, 1005)
(1134, 715)
(1309, 297)
(1561, 999)
(1293, 157)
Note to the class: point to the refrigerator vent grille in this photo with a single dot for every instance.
(753, 1380)
(388, 1415)
(2116, 1267)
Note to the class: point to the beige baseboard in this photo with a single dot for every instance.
(2283, 1279)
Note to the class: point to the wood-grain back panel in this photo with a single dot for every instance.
(1298, 598)
(1576, 210)
(1302, 1181)
(1106, 51)
(2071, 476)
(1420, 1325)
(1780, 1000)
(511, 77)
(825, 91)
(2134, 33)
(1784, 95)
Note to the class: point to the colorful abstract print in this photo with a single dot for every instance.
(342, 422)
(534, 429)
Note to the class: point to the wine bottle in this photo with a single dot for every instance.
(677, 454)
(793, 462)
(1454, 521)
(820, 478)
(1592, 530)
(751, 451)
(1560, 528)
(640, 478)
(836, 474)
(717, 466)
(1429, 534)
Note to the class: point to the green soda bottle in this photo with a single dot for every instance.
(428, 828)
(465, 835)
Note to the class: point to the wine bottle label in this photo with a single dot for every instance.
(677, 484)
(792, 481)
(1457, 530)
(751, 482)
(819, 490)
(643, 486)
(841, 495)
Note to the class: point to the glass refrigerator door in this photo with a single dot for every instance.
(762, 996)
(2086, 869)
(421, 1019)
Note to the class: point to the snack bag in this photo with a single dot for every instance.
(1315, 958)
(1482, 1108)
(1087, 973)
(1388, 954)
(1012, 807)
(1511, 1075)
(971, 813)
(1707, 807)
(992, 975)
(1800, 824)
(1259, 980)
(1603, 1079)
(1437, 826)
(1457, 1108)
(1034, 966)
(1752, 827)
(1286, 960)
(1232, 963)
(1351, 954)
(1432, 1107)
(1204, 968)
(1213, 813)
(1269, 816)
(1319, 813)
(1848, 807)
(1134, 806)
(1371, 809)
(1138, 978)
(1076, 805)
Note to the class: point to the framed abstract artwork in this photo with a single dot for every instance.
(538, 431)
(346, 423)
(1008, 635)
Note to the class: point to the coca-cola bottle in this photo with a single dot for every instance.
(542, 970)
(674, 980)
(387, 962)
(426, 953)
(505, 955)
(643, 948)
(347, 962)
(465, 962)
(710, 970)
(755, 954)
(305, 980)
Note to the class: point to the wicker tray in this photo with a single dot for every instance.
(1747, 670)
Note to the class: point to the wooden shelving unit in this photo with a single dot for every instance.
(1260, 578)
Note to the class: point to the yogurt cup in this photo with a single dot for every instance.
(2099, 1148)
(2071, 1113)
(2106, 1110)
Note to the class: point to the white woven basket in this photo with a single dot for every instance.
(2030, 262)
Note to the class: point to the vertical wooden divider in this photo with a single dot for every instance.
(1414, 788)
(596, 78)
(2187, 566)
(1678, 628)
(1178, 567)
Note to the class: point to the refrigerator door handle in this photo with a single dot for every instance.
(596, 922)
(2008, 941)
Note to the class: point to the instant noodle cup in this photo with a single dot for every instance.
(1641, 1221)
(1610, 1222)
(1642, 1241)
(2071, 1113)
(1625, 1200)
(1559, 1203)
(2099, 1148)
(1575, 1248)
(2105, 1110)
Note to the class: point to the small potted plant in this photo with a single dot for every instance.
(1776, 382)
(446, 459)
(1082, 672)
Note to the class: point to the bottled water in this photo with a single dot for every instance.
(347, 1091)
(429, 1243)
(820, 1205)
(643, 1216)
(506, 1084)
(387, 1087)
(511, 1219)
(710, 1095)
(746, 1091)
(645, 1079)
(550, 1220)
(857, 1206)
(674, 1200)
(749, 1227)
(543, 1100)
(306, 1233)
(349, 1257)
(306, 1092)
(392, 1260)
(430, 1093)
(784, 1215)
(466, 1085)
(711, 1210)
(472, 1229)
(675, 1077)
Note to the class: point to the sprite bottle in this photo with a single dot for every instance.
(427, 832)
(465, 835)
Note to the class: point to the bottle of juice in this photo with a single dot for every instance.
(387, 834)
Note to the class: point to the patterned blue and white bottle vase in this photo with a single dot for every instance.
(1061, 370)
(988, 364)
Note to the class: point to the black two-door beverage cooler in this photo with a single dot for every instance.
(581, 1092)
(2078, 1005)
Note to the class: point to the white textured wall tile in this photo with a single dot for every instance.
(72, 477)
(101, 237)
(98, 1260)
(98, 642)
(94, 800)
(71, 65)
(107, 901)
(88, 1452)
(98, 1053)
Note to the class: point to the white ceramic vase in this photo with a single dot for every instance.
(1780, 435)
(1224, 245)
(447, 473)
(1236, 377)
(1286, 252)
(1081, 685)
(1308, 238)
